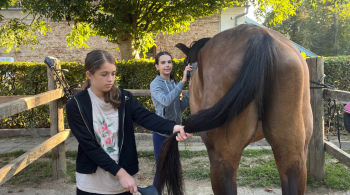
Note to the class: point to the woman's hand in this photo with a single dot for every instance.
(128, 182)
(181, 136)
(187, 68)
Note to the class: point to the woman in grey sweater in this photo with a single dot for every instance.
(165, 93)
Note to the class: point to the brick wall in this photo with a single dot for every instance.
(201, 28)
(54, 43)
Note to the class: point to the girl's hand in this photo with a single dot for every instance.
(181, 136)
(187, 68)
(128, 182)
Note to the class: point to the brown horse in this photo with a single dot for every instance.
(251, 83)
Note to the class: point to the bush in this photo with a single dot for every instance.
(338, 75)
(337, 70)
(30, 78)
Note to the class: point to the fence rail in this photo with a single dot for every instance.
(337, 153)
(16, 106)
(343, 97)
(24, 160)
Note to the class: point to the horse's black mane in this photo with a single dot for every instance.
(195, 47)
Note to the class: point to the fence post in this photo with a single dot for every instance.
(57, 125)
(315, 159)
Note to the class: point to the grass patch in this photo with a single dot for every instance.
(337, 176)
(183, 153)
(14, 154)
(33, 174)
(201, 172)
(327, 156)
(255, 153)
(38, 172)
(257, 169)
(69, 154)
(263, 175)
(72, 154)
(71, 169)
(145, 154)
(191, 154)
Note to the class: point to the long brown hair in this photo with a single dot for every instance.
(93, 61)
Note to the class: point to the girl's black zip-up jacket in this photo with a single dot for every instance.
(90, 153)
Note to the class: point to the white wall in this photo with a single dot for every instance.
(227, 22)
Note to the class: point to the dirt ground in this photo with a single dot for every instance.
(145, 177)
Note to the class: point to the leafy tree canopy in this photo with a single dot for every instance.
(322, 27)
(133, 24)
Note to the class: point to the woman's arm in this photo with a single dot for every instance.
(166, 99)
(87, 141)
(147, 119)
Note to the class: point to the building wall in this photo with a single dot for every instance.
(227, 19)
(54, 43)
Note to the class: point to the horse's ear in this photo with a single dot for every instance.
(183, 48)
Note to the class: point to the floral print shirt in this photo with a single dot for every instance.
(105, 123)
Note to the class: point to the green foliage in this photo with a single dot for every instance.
(15, 33)
(30, 78)
(6, 4)
(337, 70)
(79, 35)
(277, 10)
(142, 20)
(322, 26)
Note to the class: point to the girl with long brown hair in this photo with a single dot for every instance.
(101, 118)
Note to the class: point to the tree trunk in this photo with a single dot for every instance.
(335, 45)
(126, 47)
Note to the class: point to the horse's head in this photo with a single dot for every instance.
(191, 53)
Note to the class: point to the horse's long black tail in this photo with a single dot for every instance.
(256, 73)
(169, 170)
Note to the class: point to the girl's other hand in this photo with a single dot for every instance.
(187, 68)
(128, 182)
(181, 136)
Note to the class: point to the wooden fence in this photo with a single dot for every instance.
(54, 97)
(317, 146)
(58, 134)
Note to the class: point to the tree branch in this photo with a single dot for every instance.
(25, 17)
(147, 11)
